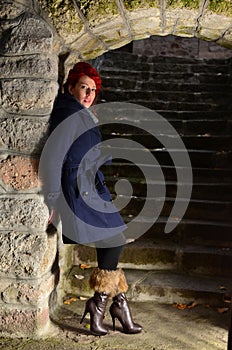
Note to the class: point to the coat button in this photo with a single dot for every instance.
(85, 193)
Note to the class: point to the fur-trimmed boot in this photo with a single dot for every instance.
(120, 309)
(105, 284)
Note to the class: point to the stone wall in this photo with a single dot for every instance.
(176, 46)
(28, 78)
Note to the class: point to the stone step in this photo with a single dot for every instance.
(200, 209)
(191, 232)
(161, 286)
(199, 158)
(173, 77)
(188, 127)
(131, 57)
(165, 86)
(200, 175)
(179, 106)
(213, 98)
(208, 191)
(167, 255)
(180, 67)
(139, 115)
(197, 142)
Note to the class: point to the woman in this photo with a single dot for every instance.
(68, 190)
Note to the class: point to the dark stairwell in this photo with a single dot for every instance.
(193, 262)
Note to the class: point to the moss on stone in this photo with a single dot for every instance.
(94, 10)
(131, 5)
(221, 6)
(63, 15)
(191, 4)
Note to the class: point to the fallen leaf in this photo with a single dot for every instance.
(180, 306)
(194, 304)
(67, 302)
(222, 288)
(83, 298)
(227, 299)
(221, 310)
(85, 266)
(79, 277)
(73, 299)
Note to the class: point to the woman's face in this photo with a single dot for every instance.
(84, 91)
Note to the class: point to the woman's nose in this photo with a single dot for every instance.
(88, 91)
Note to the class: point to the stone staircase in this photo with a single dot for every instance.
(194, 262)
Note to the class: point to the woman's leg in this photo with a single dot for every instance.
(109, 282)
(108, 258)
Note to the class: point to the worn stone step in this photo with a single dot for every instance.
(199, 158)
(207, 191)
(165, 86)
(114, 94)
(200, 175)
(179, 106)
(159, 77)
(174, 287)
(138, 114)
(188, 127)
(193, 232)
(128, 56)
(197, 142)
(161, 286)
(180, 67)
(200, 209)
(167, 255)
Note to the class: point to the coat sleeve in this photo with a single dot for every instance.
(55, 152)
(53, 157)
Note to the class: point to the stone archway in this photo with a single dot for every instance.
(33, 36)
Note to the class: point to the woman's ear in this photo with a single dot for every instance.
(70, 89)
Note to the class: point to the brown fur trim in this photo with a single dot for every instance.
(104, 281)
(122, 285)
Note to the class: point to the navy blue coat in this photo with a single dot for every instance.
(73, 183)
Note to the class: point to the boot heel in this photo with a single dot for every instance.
(84, 314)
(113, 321)
(120, 309)
(96, 306)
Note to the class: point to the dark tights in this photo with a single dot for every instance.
(107, 258)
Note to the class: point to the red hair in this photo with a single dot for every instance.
(79, 70)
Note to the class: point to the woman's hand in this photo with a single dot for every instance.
(51, 216)
(51, 229)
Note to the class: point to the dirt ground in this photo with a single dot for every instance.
(166, 327)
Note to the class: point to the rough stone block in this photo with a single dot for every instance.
(29, 34)
(113, 34)
(180, 22)
(212, 26)
(145, 23)
(19, 173)
(89, 47)
(226, 39)
(25, 255)
(23, 322)
(28, 96)
(37, 66)
(22, 134)
(11, 9)
(22, 211)
(26, 293)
